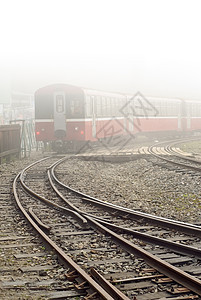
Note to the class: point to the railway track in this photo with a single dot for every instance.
(28, 269)
(173, 156)
(84, 285)
(78, 222)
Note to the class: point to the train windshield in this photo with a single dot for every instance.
(76, 108)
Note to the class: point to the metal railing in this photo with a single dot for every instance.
(27, 134)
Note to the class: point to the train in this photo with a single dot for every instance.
(71, 117)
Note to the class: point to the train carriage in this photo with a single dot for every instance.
(70, 116)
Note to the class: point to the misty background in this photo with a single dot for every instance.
(151, 46)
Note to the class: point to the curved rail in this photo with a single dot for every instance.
(73, 213)
(95, 288)
(168, 149)
(136, 215)
(163, 267)
(180, 248)
(175, 153)
(179, 276)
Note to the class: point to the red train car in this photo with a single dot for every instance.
(71, 116)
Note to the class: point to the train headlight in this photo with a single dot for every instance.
(76, 128)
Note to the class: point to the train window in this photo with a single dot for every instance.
(196, 109)
(164, 108)
(193, 110)
(175, 109)
(112, 107)
(103, 106)
(94, 103)
(188, 109)
(168, 110)
(44, 108)
(115, 106)
(155, 104)
(124, 109)
(108, 107)
(75, 108)
(119, 104)
(99, 108)
(122, 105)
(110, 104)
(88, 106)
(199, 110)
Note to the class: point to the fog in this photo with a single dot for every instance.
(150, 46)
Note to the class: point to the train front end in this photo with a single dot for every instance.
(60, 117)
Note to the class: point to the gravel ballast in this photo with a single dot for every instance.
(138, 185)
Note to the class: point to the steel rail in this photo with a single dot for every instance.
(179, 276)
(66, 259)
(163, 222)
(173, 162)
(179, 248)
(73, 213)
(109, 287)
(111, 204)
(38, 221)
(160, 265)
(167, 269)
(150, 150)
(176, 247)
(135, 215)
(169, 148)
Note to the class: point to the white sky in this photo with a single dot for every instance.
(151, 46)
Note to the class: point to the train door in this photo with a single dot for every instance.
(59, 115)
(93, 105)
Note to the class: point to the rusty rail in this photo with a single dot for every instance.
(160, 265)
(85, 281)
(181, 277)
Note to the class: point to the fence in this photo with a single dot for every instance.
(27, 133)
(10, 142)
